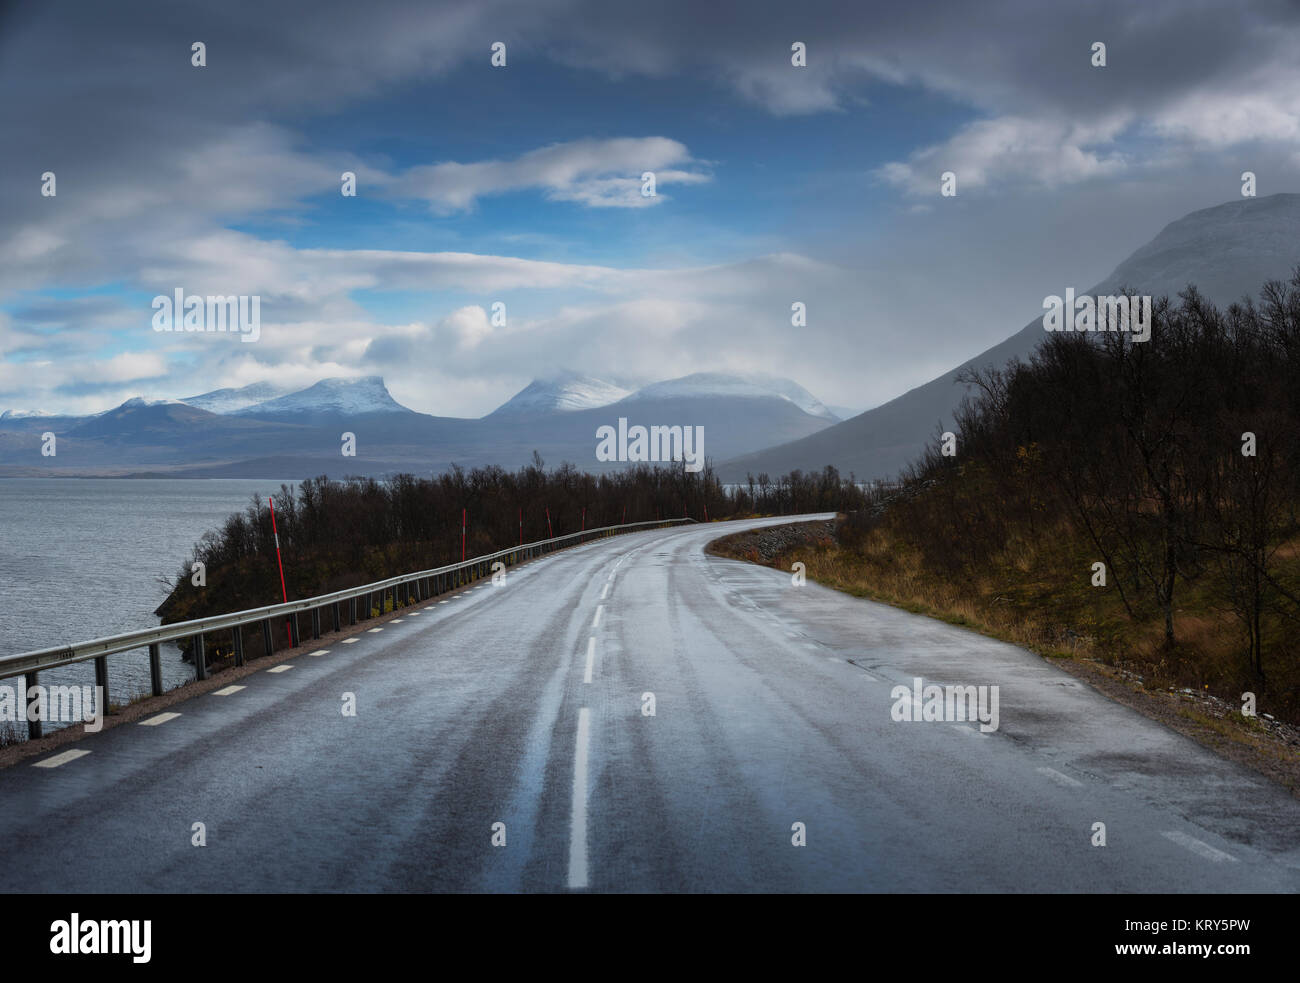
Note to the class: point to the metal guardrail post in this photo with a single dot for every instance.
(315, 622)
(239, 645)
(200, 658)
(155, 669)
(34, 727)
(267, 644)
(101, 680)
(295, 631)
(338, 615)
(352, 611)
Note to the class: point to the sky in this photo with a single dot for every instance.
(521, 184)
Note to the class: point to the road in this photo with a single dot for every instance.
(525, 704)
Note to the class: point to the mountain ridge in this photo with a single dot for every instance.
(1228, 251)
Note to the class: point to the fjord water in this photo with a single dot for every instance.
(82, 558)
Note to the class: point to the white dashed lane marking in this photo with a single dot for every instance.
(578, 822)
(349, 641)
(320, 653)
(280, 669)
(157, 719)
(228, 691)
(605, 593)
(61, 759)
(591, 658)
(373, 630)
(595, 622)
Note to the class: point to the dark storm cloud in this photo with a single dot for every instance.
(1064, 168)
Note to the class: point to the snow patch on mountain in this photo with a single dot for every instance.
(349, 397)
(23, 414)
(563, 393)
(139, 402)
(223, 401)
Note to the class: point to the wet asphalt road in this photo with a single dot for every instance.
(772, 707)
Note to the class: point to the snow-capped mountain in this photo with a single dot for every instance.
(23, 414)
(139, 402)
(563, 393)
(705, 384)
(329, 397)
(232, 400)
(297, 434)
(570, 392)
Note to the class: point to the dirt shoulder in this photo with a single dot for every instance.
(1269, 747)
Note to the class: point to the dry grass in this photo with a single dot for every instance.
(1036, 591)
(1020, 599)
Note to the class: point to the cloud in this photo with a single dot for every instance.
(1013, 151)
(169, 176)
(595, 173)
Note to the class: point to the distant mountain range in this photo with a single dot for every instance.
(260, 430)
(1228, 251)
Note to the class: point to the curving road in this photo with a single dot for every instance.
(524, 704)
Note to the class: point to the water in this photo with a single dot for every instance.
(81, 558)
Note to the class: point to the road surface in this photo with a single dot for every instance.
(526, 704)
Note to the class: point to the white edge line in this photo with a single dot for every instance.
(1197, 847)
(1059, 778)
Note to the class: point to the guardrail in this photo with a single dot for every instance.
(414, 587)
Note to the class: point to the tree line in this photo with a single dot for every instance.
(343, 533)
(1176, 460)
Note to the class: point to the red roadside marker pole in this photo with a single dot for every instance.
(278, 563)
